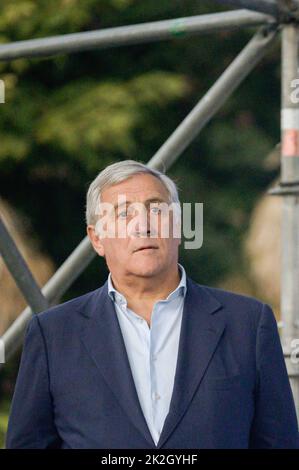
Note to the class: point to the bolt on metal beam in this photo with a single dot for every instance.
(213, 99)
(134, 34)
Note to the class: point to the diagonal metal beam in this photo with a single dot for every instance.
(20, 271)
(134, 34)
(53, 289)
(213, 99)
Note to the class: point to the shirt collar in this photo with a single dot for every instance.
(179, 290)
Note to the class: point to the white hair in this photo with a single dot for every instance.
(116, 173)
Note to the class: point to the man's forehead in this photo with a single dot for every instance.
(134, 192)
(122, 199)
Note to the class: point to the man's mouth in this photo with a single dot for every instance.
(146, 248)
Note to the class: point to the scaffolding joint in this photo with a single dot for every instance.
(285, 188)
(288, 11)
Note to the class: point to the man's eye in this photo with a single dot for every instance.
(156, 210)
(125, 213)
(122, 214)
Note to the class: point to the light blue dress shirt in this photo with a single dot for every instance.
(152, 352)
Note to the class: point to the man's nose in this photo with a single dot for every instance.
(143, 224)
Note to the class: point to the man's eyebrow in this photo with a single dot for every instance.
(152, 199)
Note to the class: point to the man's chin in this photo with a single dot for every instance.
(148, 270)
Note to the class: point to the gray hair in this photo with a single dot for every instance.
(116, 173)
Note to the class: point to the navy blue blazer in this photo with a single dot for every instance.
(75, 388)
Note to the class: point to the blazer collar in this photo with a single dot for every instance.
(199, 336)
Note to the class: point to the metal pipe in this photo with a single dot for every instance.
(134, 34)
(290, 203)
(20, 271)
(53, 289)
(213, 99)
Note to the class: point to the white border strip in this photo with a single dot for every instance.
(2, 92)
(2, 352)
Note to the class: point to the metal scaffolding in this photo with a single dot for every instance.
(271, 17)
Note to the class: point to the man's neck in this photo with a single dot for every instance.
(146, 291)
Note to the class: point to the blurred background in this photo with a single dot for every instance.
(67, 117)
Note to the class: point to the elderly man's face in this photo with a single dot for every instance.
(140, 217)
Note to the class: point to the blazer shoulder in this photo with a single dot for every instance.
(235, 302)
(224, 295)
(65, 310)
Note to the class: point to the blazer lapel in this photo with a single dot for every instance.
(104, 342)
(199, 336)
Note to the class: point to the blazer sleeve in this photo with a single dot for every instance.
(31, 422)
(275, 422)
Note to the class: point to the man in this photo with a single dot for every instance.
(151, 359)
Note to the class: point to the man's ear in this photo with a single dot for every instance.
(95, 240)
